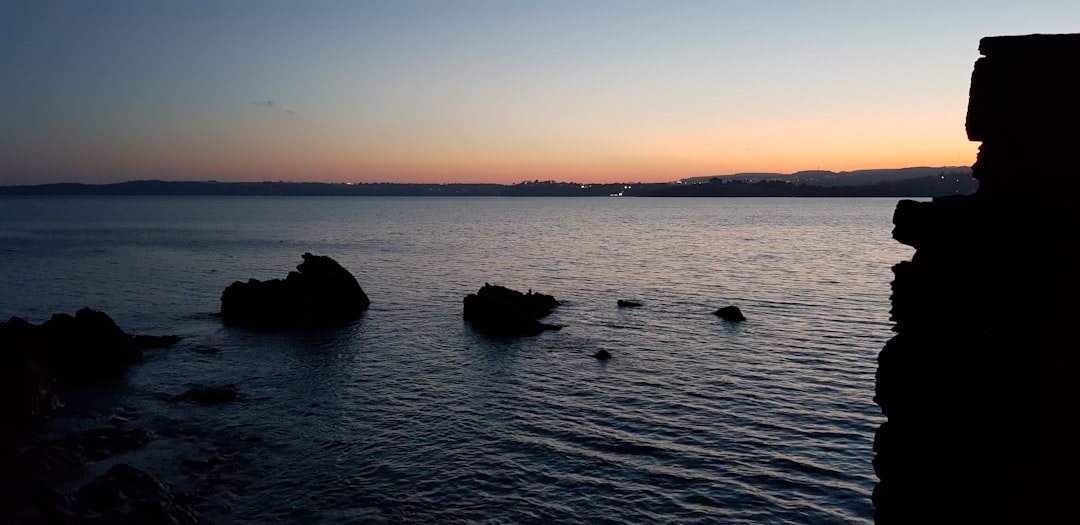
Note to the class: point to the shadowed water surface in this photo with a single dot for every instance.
(409, 416)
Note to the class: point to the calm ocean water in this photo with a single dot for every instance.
(408, 416)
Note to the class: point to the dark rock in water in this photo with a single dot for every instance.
(208, 394)
(87, 348)
(730, 313)
(500, 311)
(126, 495)
(629, 304)
(602, 354)
(319, 293)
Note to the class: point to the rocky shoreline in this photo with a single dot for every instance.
(42, 364)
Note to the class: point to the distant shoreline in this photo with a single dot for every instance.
(926, 182)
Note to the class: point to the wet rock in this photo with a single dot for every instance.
(208, 394)
(100, 443)
(629, 304)
(319, 293)
(602, 355)
(730, 313)
(500, 311)
(126, 495)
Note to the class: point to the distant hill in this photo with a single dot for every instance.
(842, 178)
(942, 184)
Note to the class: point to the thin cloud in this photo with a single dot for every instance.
(269, 104)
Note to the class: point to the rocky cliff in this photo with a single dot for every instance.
(976, 385)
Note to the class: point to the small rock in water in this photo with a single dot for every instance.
(629, 304)
(730, 313)
(602, 355)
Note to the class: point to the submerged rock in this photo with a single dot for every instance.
(319, 293)
(149, 342)
(500, 311)
(730, 313)
(208, 394)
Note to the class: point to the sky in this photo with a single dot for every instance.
(438, 91)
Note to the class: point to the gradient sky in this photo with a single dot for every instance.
(489, 90)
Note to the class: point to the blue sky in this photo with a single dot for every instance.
(499, 91)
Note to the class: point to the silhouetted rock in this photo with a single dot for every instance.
(602, 354)
(66, 350)
(319, 293)
(730, 313)
(208, 394)
(978, 402)
(622, 303)
(87, 348)
(126, 495)
(500, 311)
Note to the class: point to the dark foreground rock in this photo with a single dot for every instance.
(500, 311)
(730, 313)
(66, 350)
(37, 363)
(127, 495)
(978, 384)
(319, 293)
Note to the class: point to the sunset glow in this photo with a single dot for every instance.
(479, 91)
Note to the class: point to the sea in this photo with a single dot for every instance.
(408, 415)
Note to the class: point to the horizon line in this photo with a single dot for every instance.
(675, 181)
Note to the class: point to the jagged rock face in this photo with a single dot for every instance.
(976, 384)
(319, 293)
(500, 311)
(1024, 109)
